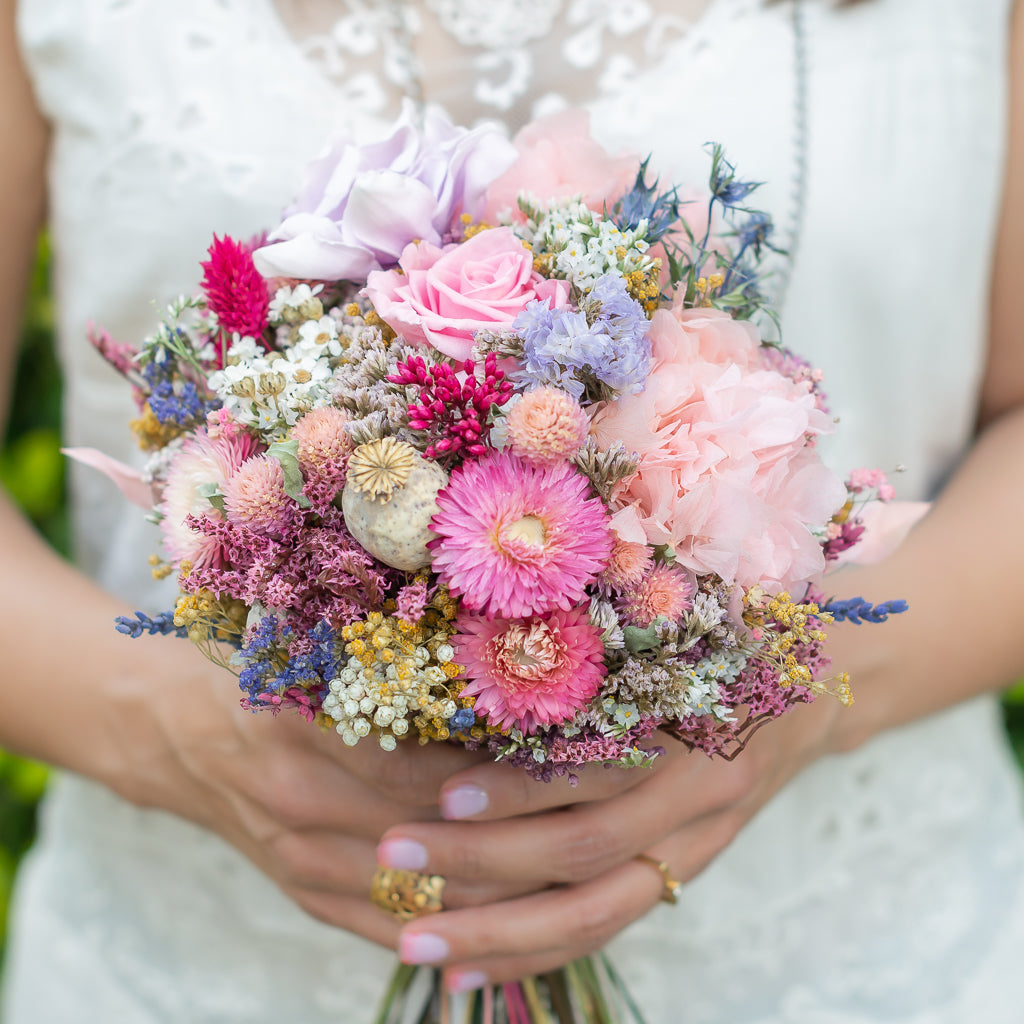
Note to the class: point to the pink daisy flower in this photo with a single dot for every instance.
(531, 673)
(203, 460)
(666, 592)
(547, 426)
(516, 539)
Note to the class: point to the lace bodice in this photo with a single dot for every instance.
(510, 60)
(885, 885)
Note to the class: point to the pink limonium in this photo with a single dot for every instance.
(204, 460)
(255, 495)
(546, 426)
(235, 290)
(515, 539)
(533, 673)
(666, 592)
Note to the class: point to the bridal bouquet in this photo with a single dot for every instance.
(483, 444)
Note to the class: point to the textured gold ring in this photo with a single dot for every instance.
(406, 894)
(671, 889)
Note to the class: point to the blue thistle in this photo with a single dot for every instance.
(644, 202)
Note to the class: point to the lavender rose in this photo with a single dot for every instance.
(361, 205)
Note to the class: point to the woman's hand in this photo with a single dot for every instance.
(578, 846)
(307, 810)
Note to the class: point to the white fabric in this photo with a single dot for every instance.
(882, 886)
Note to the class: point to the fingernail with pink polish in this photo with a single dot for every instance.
(422, 948)
(466, 981)
(463, 802)
(406, 854)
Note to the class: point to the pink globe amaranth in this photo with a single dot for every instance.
(514, 538)
(443, 297)
(530, 673)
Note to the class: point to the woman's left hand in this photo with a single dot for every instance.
(576, 847)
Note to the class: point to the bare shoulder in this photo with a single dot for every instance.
(25, 138)
(1003, 386)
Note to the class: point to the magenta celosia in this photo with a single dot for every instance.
(235, 290)
(530, 673)
(515, 539)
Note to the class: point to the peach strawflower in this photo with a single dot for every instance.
(547, 426)
(666, 592)
(323, 440)
(255, 495)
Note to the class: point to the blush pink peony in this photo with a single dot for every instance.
(443, 297)
(728, 473)
(558, 160)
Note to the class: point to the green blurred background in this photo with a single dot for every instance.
(32, 470)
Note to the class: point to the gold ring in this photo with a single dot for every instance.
(406, 894)
(671, 889)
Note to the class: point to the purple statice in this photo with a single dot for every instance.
(283, 667)
(597, 352)
(317, 571)
(175, 399)
(797, 369)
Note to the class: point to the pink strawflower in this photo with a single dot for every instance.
(255, 495)
(533, 673)
(514, 539)
(202, 461)
(235, 291)
(666, 592)
(547, 426)
(629, 564)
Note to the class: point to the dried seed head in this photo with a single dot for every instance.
(378, 468)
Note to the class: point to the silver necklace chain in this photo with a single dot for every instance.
(801, 130)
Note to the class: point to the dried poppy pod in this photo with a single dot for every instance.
(389, 499)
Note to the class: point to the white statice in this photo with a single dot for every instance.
(271, 390)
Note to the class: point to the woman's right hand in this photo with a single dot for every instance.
(307, 810)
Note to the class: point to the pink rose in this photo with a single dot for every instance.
(557, 160)
(444, 296)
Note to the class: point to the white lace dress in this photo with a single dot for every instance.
(882, 886)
